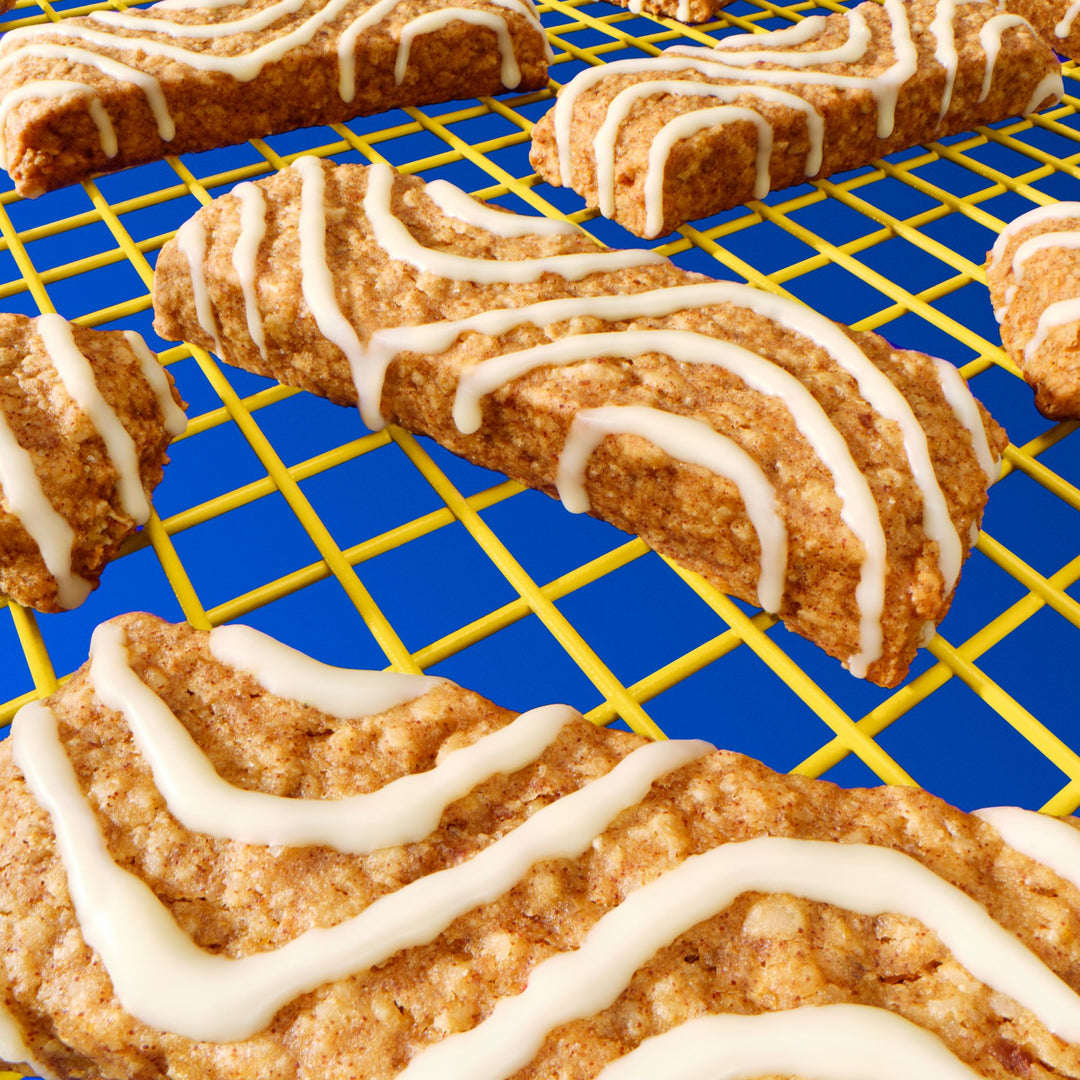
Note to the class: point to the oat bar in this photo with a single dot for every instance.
(118, 88)
(1034, 276)
(1055, 21)
(85, 420)
(818, 472)
(658, 141)
(225, 860)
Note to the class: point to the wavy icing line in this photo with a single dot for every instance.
(155, 97)
(1044, 839)
(858, 509)
(211, 998)
(243, 64)
(686, 125)
(730, 57)
(22, 487)
(13, 1046)
(822, 1042)
(694, 443)
(861, 878)
(1065, 25)
(369, 362)
(401, 812)
(1061, 312)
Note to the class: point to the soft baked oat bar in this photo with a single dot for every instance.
(204, 877)
(86, 417)
(1034, 276)
(658, 141)
(118, 88)
(816, 471)
(1055, 21)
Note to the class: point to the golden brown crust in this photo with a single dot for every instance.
(715, 168)
(682, 510)
(1046, 16)
(1047, 277)
(764, 952)
(53, 141)
(76, 472)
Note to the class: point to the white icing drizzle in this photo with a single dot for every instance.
(884, 87)
(247, 24)
(191, 242)
(851, 51)
(1024, 251)
(455, 203)
(346, 47)
(966, 410)
(740, 66)
(13, 1046)
(402, 812)
(858, 508)
(209, 997)
(41, 89)
(799, 33)
(1052, 86)
(1059, 211)
(316, 279)
(192, 5)
(368, 365)
(696, 443)
(941, 26)
(244, 67)
(1064, 26)
(395, 239)
(173, 416)
(26, 500)
(1060, 313)
(944, 30)
(687, 124)
(684, 127)
(289, 673)
(621, 105)
(77, 376)
(244, 64)
(738, 58)
(112, 68)
(990, 40)
(817, 1042)
(857, 877)
(510, 73)
(246, 253)
(886, 399)
(1046, 839)
(1042, 242)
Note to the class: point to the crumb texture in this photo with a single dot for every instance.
(760, 951)
(1055, 21)
(1034, 277)
(662, 140)
(733, 417)
(145, 83)
(84, 446)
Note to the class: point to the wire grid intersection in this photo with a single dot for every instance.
(375, 548)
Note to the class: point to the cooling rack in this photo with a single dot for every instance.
(373, 549)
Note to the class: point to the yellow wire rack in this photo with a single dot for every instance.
(896, 247)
